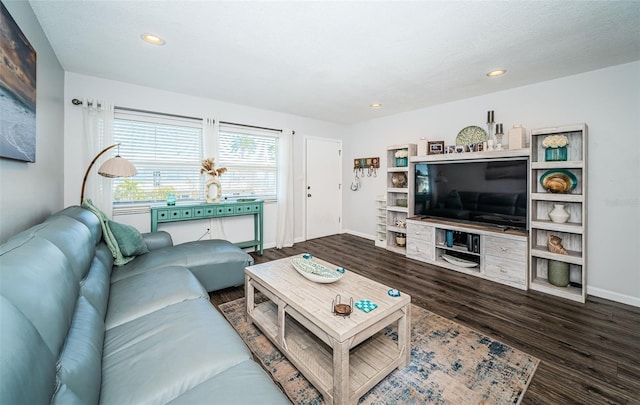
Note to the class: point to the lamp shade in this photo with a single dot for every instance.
(114, 167)
(117, 167)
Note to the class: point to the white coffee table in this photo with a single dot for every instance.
(342, 357)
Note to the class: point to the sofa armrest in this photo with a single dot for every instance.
(157, 240)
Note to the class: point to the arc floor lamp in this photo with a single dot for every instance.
(117, 166)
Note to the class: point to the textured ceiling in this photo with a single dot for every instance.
(329, 60)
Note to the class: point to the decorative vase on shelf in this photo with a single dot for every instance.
(555, 154)
(558, 273)
(401, 240)
(559, 214)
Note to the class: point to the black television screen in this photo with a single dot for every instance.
(482, 192)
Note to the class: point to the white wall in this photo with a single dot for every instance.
(29, 192)
(145, 98)
(608, 100)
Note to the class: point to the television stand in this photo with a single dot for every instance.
(492, 253)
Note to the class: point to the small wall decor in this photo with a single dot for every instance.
(17, 93)
(436, 148)
(371, 165)
(209, 168)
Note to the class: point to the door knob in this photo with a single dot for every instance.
(309, 195)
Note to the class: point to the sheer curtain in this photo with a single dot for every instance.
(284, 225)
(210, 131)
(98, 134)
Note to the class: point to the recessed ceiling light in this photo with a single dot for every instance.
(153, 39)
(496, 73)
(375, 105)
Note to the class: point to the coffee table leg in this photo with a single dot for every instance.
(249, 294)
(341, 385)
(404, 335)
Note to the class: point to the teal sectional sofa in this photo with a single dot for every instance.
(76, 330)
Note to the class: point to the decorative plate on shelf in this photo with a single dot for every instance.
(558, 181)
(471, 134)
(399, 180)
(458, 261)
(315, 271)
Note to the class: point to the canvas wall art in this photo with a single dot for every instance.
(17, 92)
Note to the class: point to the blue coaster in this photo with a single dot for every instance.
(366, 305)
(393, 292)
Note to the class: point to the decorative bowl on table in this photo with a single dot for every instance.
(315, 271)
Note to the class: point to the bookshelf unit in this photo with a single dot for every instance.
(399, 195)
(573, 232)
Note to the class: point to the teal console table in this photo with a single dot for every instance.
(176, 213)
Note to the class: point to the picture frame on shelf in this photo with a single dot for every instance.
(435, 148)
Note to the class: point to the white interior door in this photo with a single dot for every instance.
(323, 187)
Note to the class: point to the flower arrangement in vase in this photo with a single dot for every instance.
(401, 157)
(209, 168)
(555, 147)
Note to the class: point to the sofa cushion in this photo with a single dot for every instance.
(66, 233)
(157, 240)
(160, 356)
(95, 286)
(80, 364)
(27, 371)
(37, 278)
(129, 239)
(85, 217)
(216, 263)
(231, 385)
(144, 293)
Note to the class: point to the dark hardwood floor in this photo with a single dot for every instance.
(589, 353)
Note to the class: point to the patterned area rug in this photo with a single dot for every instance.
(450, 364)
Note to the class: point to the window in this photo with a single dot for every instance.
(250, 155)
(166, 150)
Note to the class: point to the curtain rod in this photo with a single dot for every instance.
(253, 126)
(249, 126)
(75, 101)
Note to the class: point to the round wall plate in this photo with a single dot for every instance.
(471, 134)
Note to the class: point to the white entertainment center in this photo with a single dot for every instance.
(513, 256)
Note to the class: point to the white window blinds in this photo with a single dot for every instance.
(167, 151)
(250, 155)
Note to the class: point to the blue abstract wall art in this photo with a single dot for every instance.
(17, 92)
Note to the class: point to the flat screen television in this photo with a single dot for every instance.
(492, 193)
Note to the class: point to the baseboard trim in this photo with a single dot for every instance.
(614, 296)
(360, 234)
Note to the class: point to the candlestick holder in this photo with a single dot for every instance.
(499, 141)
(490, 130)
(499, 135)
